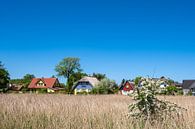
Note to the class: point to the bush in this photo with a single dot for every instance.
(148, 107)
(171, 90)
(106, 86)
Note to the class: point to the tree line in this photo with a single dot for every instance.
(71, 70)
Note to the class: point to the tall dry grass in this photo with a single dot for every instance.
(57, 111)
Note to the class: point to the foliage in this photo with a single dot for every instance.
(75, 77)
(25, 81)
(41, 90)
(137, 80)
(171, 90)
(148, 106)
(106, 86)
(4, 77)
(170, 81)
(99, 76)
(179, 91)
(67, 67)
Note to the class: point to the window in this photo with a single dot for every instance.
(40, 83)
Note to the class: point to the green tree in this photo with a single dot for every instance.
(106, 86)
(67, 67)
(99, 76)
(137, 80)
(75, 77)
(27, 79)
(170, 81)
(171, 90)
(4, 77)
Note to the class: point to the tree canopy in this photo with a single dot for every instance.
(99, 76)
(25, 81)
(75, 77)
(106, 86)
(4, 76)
(67, 67)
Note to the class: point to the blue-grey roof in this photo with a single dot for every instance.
(188, 84)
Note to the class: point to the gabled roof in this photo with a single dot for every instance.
(188, 84)
(123, 85)
(49, 82)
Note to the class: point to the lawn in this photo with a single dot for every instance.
(57, 111)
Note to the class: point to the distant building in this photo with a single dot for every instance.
(48, 84)
(16, 87)
(86, 84)
(188, 86)
(164, 81)
(126, 88)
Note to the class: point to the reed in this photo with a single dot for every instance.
(57, 111)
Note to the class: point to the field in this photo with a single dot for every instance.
(57, 111)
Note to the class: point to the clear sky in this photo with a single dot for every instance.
(122, 39)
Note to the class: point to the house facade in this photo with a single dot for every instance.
(86, 84)
(49, 85)
(188, 86)
(163, 80)
(126, 88)
(16, 88)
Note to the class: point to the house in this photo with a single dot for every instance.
(16, 87)
(177, 84)
(163, 80)
(86, 84)
(188, 85)
(49, 85)
(126, 88)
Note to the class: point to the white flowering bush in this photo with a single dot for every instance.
(147, 106)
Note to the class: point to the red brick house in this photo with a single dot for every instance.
(47, 84)
(126, 88)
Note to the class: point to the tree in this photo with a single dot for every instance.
(137, 80)
(171, 90)
(105, 86)
(67, 67)
(27, 79)
(75, 77)
(148, 107)
(170, 81)
(99, 76)
(4, 77)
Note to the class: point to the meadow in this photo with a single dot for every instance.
(58, 111)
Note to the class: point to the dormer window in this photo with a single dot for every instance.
(40, 83)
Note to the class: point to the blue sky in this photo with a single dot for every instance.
(122, 39)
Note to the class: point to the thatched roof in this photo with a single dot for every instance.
(94, 81)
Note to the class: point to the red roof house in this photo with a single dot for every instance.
(126, 88)
(44, 83)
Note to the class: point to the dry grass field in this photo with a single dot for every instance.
(57, 111)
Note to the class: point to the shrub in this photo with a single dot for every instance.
(148, 107)
(171, 90)
(106, 86)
